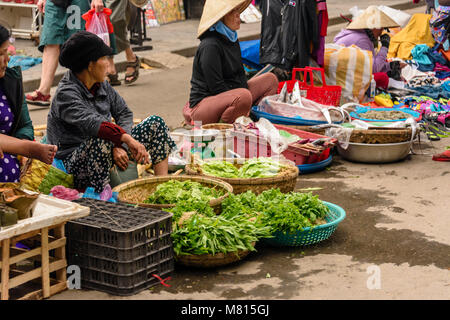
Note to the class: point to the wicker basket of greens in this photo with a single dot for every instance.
(256, 174)
(295, 219)
(208, 241)
(166, 191)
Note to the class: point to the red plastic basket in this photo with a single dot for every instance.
(250, 146)
(327, 95)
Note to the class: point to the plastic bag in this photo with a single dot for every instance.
(98, 25)
(309, 110)
(267, 130)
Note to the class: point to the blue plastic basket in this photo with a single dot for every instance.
(310, 236)
(314, 167)
(356, 114)
(284, 120)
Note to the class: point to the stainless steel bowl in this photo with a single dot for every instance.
(375, 153)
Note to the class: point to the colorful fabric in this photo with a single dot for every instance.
(416, 32)
(9, 165)
(92, 161)
(438, 26)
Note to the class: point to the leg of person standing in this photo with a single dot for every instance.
(59, 24)
(119, 19)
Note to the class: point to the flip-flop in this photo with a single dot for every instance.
(443, 156)
(431, 135)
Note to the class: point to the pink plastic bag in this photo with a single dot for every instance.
(64, 193)
(99, 27)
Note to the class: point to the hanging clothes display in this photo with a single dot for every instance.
(289, 32)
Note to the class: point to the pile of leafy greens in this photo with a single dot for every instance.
(202, 234)
(245, 218)
(174, 191)
(284, 212)
(252, 168)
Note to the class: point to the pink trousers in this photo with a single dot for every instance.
(230, 105)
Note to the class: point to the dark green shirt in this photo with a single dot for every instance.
(12, 86)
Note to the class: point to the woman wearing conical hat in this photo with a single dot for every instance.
(364, 32)
(220, 91)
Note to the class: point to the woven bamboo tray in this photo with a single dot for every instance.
(136, 191)
(212, 260)
(218, 126)
(381, 136)
(285, 181)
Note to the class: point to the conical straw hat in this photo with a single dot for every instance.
(214, 10)
(372, 18)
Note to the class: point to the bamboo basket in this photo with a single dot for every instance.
(136, 191)
(285, 181)
(212, 260)
(222, 127)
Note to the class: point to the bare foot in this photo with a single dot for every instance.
(43, 152)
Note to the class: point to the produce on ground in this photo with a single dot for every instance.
(252, 168)
(199, 234)
(284, 212)
(384, 115)
(174, 191)
(245, 218)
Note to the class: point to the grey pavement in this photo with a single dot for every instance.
(397, 214)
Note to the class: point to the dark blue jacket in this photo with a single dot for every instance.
(76, 114)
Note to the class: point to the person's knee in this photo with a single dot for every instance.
(245, 99)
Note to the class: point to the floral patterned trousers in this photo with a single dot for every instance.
(92, 161)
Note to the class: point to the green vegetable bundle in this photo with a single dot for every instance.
(284, 212)
(252, 168)
(174, 191)
(210, 235)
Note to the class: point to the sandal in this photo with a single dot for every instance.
(114, 79)
(135, 75)
(39, 99)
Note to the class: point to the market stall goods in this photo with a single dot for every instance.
(211, 241)
(120, 249)
(138, 191)
(294, 218)
(257, 174)
(309, 236)
(385, 115)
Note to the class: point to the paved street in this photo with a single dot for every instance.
(397, 221)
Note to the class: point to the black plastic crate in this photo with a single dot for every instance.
(119, 226)
(119, 247)
(125, 285)
(115, 254)
(121, 268)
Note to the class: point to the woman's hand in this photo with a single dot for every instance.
(120, 158)
(41, 5)
(137, 149)
(97, 5)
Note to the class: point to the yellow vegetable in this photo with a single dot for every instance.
(383, 100)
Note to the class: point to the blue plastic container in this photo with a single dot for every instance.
(313, 235)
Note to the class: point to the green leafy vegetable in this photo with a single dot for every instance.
(284, 212)
(210, 235)
(252, 168)
(174, 191)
